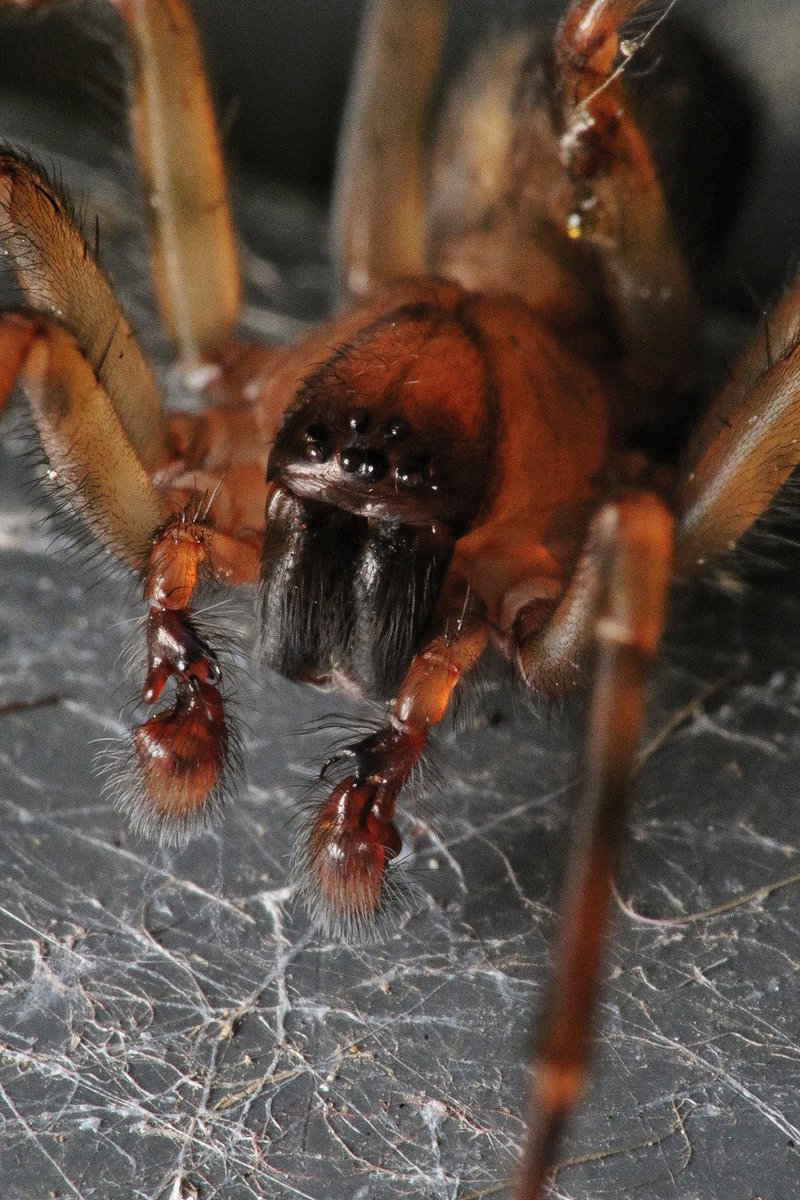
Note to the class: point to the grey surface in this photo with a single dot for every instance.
(172, 1028)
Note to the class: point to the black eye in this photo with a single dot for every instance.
(368, 465)
(414, 472)
(317, 441)
(358, 420)
(397, 429)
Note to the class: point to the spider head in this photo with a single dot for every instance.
(379, 466)
(395, 425)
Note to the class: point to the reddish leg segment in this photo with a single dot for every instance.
(552, 659)
(16, 338)
(633, 550)
(184, 759)
(353, 837)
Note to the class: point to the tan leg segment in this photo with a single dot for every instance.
(88, 448)
(747, 445)
(58, 278)
(174, 130)
(166, 534)
(618, 201)
(380, 189)
(635, 551)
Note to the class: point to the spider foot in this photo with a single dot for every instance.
(184, 766)
(180, 766)
(347, 863)
(172, 778)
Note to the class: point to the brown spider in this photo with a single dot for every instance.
(487, 447)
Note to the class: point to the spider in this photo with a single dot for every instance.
(485, 448)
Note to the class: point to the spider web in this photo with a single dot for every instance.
(172, 1028)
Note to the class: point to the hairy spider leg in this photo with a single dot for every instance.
(109, 446)
(57, 278)
(747, 445)
(185, 758)
(380, 193)
(90, 454)
(618, 203)
(632, 552)
(174, 132)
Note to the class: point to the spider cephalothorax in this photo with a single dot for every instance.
(473, 453)
(400, 423)
(380, 464)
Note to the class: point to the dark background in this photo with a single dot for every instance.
(279, 74)
(280, 99)
(170, 1026)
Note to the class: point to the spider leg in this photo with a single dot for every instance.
(552, 648)
(173, 777)
(175, 135)
(90, 453)
(100, 421)
(57, 277)
(196, 269)
(180, 763)
(618, 202)
(183, 761)
(632, 553)
(747, 445)
(380, 190)
(352, 838)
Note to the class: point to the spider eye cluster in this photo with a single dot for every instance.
(369, 465)
(369, 454)
(395, 425)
